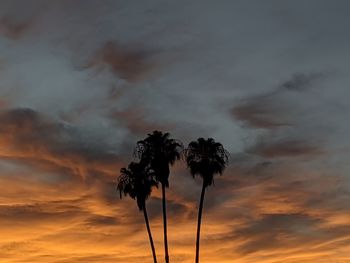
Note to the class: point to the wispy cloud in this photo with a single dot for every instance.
(271, 110)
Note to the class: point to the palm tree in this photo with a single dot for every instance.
(137, 181)
(205, 158)
(159, 151)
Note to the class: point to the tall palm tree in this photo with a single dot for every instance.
(137, 181)
(205, 158)
(159, 151)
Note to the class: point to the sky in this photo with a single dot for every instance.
(82, 81)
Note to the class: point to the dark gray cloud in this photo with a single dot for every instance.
(102, 220)
(300, 82)
(287, 148)
(271, 110)
(286, 230)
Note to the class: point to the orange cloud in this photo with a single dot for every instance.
(59, 204)
(28, 136)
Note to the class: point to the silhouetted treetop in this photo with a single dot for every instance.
(205, 157)
(159, 151)
(137, 181)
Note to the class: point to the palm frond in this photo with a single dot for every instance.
(205, 158)
(136, 181)
(158, 151)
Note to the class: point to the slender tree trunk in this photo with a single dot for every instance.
(165, 226)
(199, 222)
(149, 234)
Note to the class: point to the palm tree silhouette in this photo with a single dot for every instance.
(137, 181)
(159, 151)
(205, 158)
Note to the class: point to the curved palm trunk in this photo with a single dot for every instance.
(199, 222)
(149, 234)
(165, 225)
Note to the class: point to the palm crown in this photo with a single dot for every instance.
(206, 158)
(159, 151)
(137, 181)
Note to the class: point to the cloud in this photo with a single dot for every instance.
(277, 231)
(285, 148)
(125, 62)
(100, 220)
(15, 29)
(258, 114)
(273, 109)
(301, 82)
(29, 136)
(38, 213)
(135, 120)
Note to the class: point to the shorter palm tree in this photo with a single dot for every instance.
(137, 181)
(205, 158)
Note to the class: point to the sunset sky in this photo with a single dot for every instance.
(81, 81)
